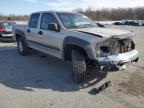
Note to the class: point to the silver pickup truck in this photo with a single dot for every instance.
(74, 37)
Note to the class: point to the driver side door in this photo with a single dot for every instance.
(52, 40)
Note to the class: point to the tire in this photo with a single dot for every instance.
(0, 35)
(22, 46)
(78, 66)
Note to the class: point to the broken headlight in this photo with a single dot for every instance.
(103, 48)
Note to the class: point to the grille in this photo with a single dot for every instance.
(125, 45)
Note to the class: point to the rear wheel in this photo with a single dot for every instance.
(0, 35)
(78, 66)
(22, 46)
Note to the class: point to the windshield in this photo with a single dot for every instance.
(75, 20)
(7, 24)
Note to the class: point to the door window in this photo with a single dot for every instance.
(34, 20)
(47, 18)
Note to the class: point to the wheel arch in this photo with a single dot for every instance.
(71, 43)
(20, 34)
(69, 47)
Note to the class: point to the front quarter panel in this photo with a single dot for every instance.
(87, 46)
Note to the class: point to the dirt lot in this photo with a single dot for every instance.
(38, 81)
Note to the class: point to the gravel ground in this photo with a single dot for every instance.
(41, 81)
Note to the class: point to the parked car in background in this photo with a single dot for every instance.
(6, 28)
(117, 23)
(141, 22)
(130, 22)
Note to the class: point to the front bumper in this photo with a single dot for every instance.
(117, 62)
(6, 34)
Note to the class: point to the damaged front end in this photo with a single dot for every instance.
(114, 53)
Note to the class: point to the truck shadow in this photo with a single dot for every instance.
(38, 71)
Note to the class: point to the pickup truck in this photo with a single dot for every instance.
(74, 37)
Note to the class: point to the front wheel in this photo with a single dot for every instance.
(78, 66)
(22, 46)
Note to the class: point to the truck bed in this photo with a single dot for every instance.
(20, 27)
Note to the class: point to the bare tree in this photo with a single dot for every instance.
(103, 14)
(114, 14)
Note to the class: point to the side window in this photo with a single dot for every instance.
(47, 18)
(34, 20)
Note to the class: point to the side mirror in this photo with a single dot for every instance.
(53, 27)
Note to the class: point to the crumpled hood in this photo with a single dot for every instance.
(107, 32)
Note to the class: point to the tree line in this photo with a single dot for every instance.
(14, 17)
(100, 15)
(114, 14)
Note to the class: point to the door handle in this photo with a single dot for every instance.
(40, 33)
(28, 30)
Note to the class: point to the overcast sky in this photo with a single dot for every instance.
(20, 7)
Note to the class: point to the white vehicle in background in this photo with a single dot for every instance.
(74, 37)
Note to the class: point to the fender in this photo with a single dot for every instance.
(89, 49)
(21, 34)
